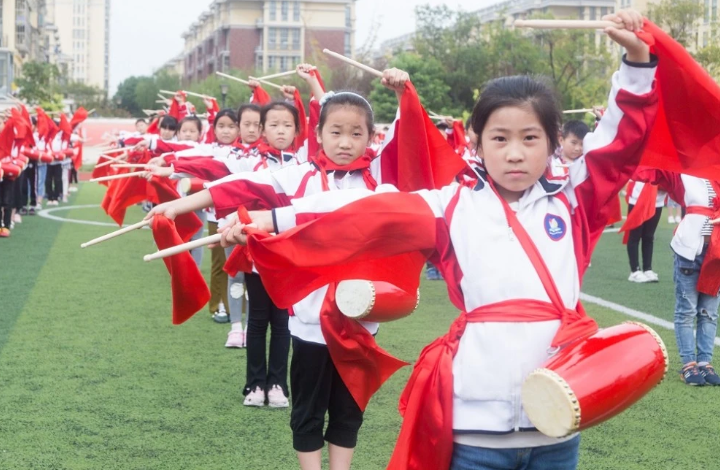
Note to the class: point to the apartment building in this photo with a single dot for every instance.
(266, 35)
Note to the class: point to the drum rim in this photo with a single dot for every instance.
(373, 299)
(570, 394)
(660, 342)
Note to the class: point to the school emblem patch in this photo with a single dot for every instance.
(555, 227)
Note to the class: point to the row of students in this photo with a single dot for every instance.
(516, 121)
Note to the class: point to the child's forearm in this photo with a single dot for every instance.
(315, 87)
(194, 202)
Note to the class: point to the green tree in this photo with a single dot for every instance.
(38, 83)
(428, 77)
(709, 57)
(125, 96)
(677, 17)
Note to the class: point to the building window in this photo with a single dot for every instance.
(296, 11)
(714, 10)
(296, 39)
(271, 62)
(284, 63)
(272, 38)
(348, 44)
(705, 39)
(707, 11)
(273, 10)
(593, 14)
(284, 39)
(284, 7)
(259, 61)
(348, 16)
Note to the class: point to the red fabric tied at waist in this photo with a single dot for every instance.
(709, 280)
(426, 436)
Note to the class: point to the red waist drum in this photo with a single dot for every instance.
(33, 155)
(594, 379)
(11, 171)
(191, 185)
(46, 157)
(374, 301)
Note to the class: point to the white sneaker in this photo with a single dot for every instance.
(276, 398)
(235, 339)
(671, 219)
(72, 189)
(651, 276)
(255, 398)
(678, 219)
(17, 218)
(638, 276)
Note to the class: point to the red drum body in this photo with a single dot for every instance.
(46, 157)
(33, 155)
(594, 379)
(69, 153)
(191, 185)
(374, 301)
(11, 171)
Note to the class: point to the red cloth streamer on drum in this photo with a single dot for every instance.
(240, 259)
(163, 190)
(643, 210)
(189, 290)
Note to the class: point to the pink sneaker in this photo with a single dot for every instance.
(276, 398)
(236, 339)
(255, 398)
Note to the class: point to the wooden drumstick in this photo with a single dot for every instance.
(277, 75)
(111, 160)
(230, 77)
(578, 111)
(117, 177)
(174, 250)
(265, 82)
(354, 63)
(131, 165)
(116, 233)
(567, 24)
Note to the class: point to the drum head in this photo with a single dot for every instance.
(355, 298)
(184, 185)
(551, 404)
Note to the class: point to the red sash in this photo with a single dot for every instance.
(643, 210)
(709, 280)
(426, 436)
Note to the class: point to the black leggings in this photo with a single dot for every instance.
(54, 183)
(263, 312)
(646, 233)
(30, 189)
(7, 200)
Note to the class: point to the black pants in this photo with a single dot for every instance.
(646, 233)
(20, 183)
(7, 201)
(73, 175)
(29, 189)
(53, 182)
(317, 388)
(263, 312)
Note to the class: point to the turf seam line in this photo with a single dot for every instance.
(632, 313)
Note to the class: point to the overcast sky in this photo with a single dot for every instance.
(144, 34)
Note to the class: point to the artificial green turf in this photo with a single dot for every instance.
(94, 376)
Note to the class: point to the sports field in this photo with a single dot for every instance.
(94, 376)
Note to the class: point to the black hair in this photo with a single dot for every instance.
(248, 107)
(442, 125)
(468, 124)
(280, 106)
(520, 91)
(227, 112)
(579, 128)
(141, 120)
(33, 120)
(169, 123)
(194, 119)
(347, 98)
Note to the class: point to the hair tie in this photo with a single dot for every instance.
(331, 94)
